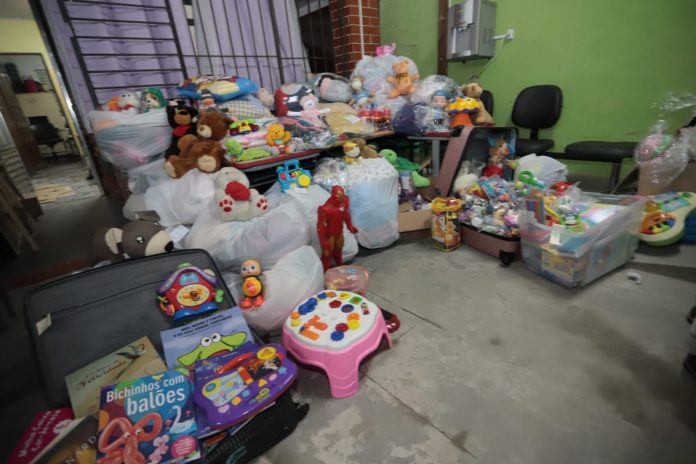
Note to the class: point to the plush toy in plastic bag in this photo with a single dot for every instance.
(331, 87)
(294, 278)
(425, 88)
(662, 157)
(376, 69)
(411, 119)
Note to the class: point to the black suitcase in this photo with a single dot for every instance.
(78, 319)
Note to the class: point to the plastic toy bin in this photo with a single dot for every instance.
(575, 259)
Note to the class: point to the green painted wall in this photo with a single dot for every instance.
(613, 59)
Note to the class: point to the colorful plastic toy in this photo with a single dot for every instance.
(233, 387)
(461, 109)
(189, 291)
(291, 175)
(498, 154)
(252, 287)
(330, 218)
(664, 218)
(335, 330)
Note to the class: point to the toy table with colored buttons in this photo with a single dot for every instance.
(335, 330)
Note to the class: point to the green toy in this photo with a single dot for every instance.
(254, 153)
(212, 345)
(402, 164)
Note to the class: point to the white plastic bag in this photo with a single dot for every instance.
(181, 201)
(374, 201)
(295, 277)
(142, 178)
(265, 238)
(545, 169)
(308, 201)
(129, 140)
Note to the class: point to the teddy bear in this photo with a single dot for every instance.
(203, 151)
(182, 119)
(401, 80)
(482, 117)
(127, 102)
(278, 138)
(235, 200)
(355, 148)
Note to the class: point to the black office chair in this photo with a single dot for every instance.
(45, 133)
(487, 100)
(536, 107)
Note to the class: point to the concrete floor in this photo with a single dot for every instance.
(491, 364)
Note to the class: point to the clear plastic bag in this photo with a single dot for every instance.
(546, 170)
(330, 172)
(294, 278)
(662, 157)
(375, 70)
(130, 140)
(425, 88)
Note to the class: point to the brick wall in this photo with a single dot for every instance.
(345, 21)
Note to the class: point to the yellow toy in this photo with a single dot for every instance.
(401, 80)
(252, 287)
(278, 138)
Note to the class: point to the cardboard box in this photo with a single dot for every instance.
(414, 220)
(685, 182)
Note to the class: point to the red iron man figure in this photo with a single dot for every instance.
(330, 218)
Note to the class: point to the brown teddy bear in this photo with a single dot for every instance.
(401, 80)
(482, 117)
(202, 151)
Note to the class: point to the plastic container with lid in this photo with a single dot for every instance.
(347, 278)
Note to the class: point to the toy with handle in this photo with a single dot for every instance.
(664, 218)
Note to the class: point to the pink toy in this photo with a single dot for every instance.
(334, 331)
(383, 50)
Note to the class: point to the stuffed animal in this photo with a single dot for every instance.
(235, 200)
(467, 177)
(355, 148)
(207, 101)
(203, 152)
(266, 97)
(278, 138)
(143, 237)
(384, 50)
(401, 80)
(361, 99)
(402, 164)
(461, 111)
(310, 112)
(153, 99)
(334, 88)
(182, 118)
(497, 157)
(482, 117)
(357, 83)
(128, 102)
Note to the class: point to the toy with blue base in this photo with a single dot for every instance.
(664, 218)
(233, 387)
(189, 291)
(291, 175)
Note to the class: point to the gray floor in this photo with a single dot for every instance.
(491, 365)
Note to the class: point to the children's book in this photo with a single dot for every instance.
(220, 333)
(135, 360)
(150, 419)
(45, 426)
(76, 444)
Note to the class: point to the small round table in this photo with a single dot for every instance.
(335, 331)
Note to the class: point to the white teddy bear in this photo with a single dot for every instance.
(235, 200)
(129, 102)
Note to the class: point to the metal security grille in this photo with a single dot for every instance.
(131, 44)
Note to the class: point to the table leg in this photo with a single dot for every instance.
(435, 156)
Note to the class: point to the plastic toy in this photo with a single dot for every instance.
(497, 157)
(144, 237)
(235, 200)
(246, 126)
(402, 164)
(335, 330)
(330, 219)
(252, 287)
(460, 111)
(153, 99)
(291, 175)
(234, 387)
(482, 117)
(203, 152)
(445, 224)
(361, 100)
(182, 118)
(665, 216)
(401, 80)
(189, 291)
(278, 138)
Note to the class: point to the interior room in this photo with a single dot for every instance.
(347, 231)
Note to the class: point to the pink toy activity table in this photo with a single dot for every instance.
(334, 331)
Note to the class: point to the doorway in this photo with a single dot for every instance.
(58, 171)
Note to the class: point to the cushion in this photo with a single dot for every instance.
(223, 88)
(599, 151)
(245, 107)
